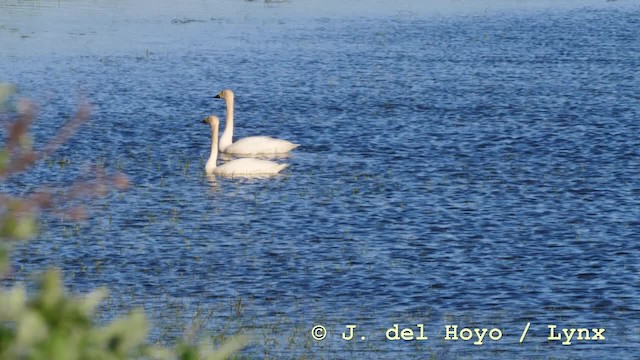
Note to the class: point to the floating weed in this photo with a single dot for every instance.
(101, 161)
(185, 167)
(63, 162)
(66, 232)
(238, 307)
(146, 55)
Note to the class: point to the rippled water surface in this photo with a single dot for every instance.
(476, 167)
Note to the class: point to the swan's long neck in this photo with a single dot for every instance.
(211, 163)
(227, 135)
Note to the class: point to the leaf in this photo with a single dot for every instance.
(4, 159)
(88, 305)
(31, 329)
(126, 334)
(158, 352)
(6, 90)
(25, 228)
(52, 291)
(12, 303)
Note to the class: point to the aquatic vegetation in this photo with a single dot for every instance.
(185, 21)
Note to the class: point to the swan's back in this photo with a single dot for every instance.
(259, 145)
(249, 167)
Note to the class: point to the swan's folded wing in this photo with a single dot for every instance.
(256, 145)
(250, 167)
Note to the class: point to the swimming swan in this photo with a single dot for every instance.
(238, 167)
(253, 145)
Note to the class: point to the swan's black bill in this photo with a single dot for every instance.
(217, 96)
(205, 121)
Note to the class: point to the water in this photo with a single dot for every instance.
(460, 165)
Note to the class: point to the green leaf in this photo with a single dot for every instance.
(4, 159)
(88, 305)
(12, 303)
(6, 90)
(31, 329)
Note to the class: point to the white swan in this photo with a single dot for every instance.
(239, 167)
(253, 145)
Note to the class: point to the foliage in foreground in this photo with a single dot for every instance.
(51, 324)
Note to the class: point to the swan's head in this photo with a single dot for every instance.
(211, 120)
(225, 94)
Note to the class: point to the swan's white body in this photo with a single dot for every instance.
(238, 167)
(252, 145)
(249, 167)
(259, 145)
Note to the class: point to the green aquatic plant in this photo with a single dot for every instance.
(52, 324)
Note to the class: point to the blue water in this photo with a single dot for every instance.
(479, 169)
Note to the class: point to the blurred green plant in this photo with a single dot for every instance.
(52, 324)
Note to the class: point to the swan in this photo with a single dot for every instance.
(238, 167)
(252, 145)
